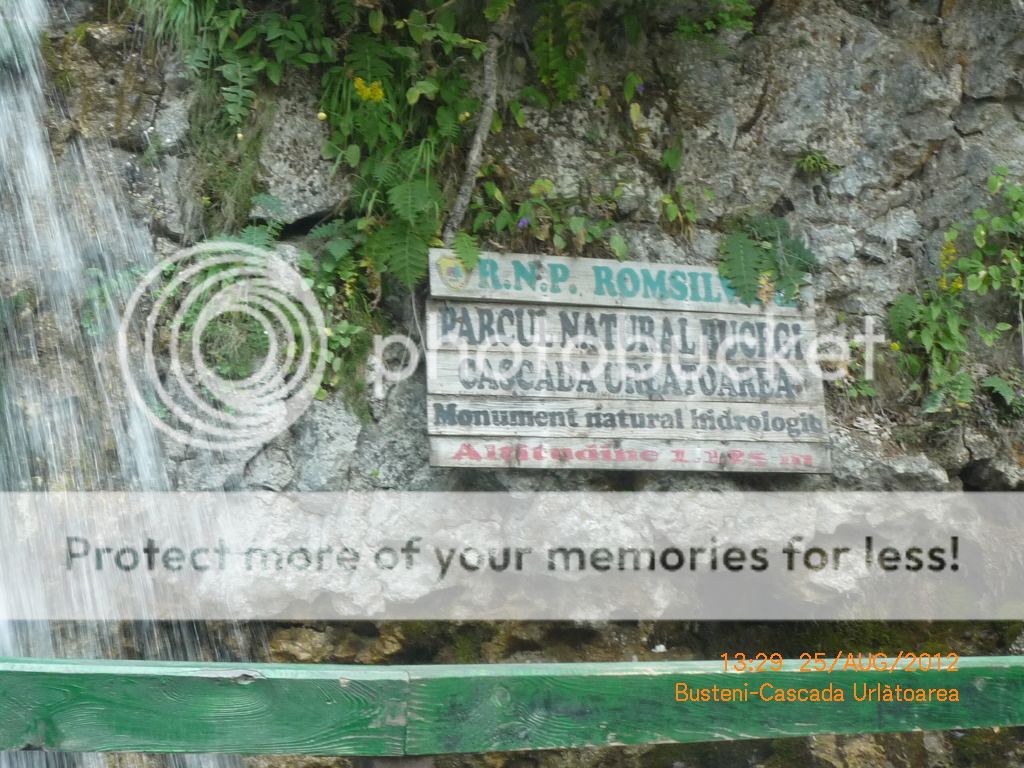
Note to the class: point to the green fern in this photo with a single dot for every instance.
(794, 262)
(327, 230)
(962, 388)
(744, 260)
(411, 199)
(558, 45)
(1001, 387)
(465, 247)
(370, 59)
(448, 123)
(763, 259)
(902, 315)
(258, 235)
(401, 250)
(238, 94)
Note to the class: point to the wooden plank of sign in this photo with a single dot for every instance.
(472, 325)
(594, 282)
(604, 419)
(498, 374)
(595, 453)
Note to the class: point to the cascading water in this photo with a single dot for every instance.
(66, 244)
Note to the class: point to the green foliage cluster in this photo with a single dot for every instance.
(396, 106)
(392, 94)
(559, 49)
(563, 27)
(678, 213)
(543, 220)
(855, 384)
(719, 15)
(399, 109)
(764, 262)
(228, 178)
(930, 330)
(334, 278)
(102, 291)
(816, 163)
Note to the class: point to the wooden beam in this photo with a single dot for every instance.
(549, 706)
(105, 706)
(99, 706)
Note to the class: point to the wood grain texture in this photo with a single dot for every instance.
(604, 419)
(92, 706)
(547, 706)
(625, 454)
(547, 279)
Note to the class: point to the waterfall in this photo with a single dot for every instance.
(68, 254)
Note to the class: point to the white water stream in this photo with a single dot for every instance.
(66, 242)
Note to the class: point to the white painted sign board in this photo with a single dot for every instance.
(552, 362)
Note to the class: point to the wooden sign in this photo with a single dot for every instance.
(544, 362)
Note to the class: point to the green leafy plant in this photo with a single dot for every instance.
(102, 292)
(929, 334)
(855, 385)
(929, 331)
(558, 45)
(1010, 389)
(816, 164)
(764, 262)
(719, 15)
(542, 219)
(678, 213)
(395, 111)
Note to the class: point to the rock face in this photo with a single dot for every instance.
(293, 170)
(915, 102)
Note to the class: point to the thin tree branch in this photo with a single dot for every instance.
(483, 128)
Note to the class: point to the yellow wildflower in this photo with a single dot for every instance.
(372, 92)
(947, 256)
(895, 346)
(321, 116)
(951, 286)
(765, 288)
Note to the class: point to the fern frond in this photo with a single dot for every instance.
(743, 263)
(399, 248)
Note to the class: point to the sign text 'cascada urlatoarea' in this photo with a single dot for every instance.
(553, 362)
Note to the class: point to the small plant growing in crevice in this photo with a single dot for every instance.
(1009, 387)
(678, 213)
(855, 384)
(816, 164)
(543, 219)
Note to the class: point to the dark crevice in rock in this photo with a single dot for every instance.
(759, 108)
(972, 476)
(303, 226)
(761, 13)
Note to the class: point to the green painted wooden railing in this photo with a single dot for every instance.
(91, 706)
